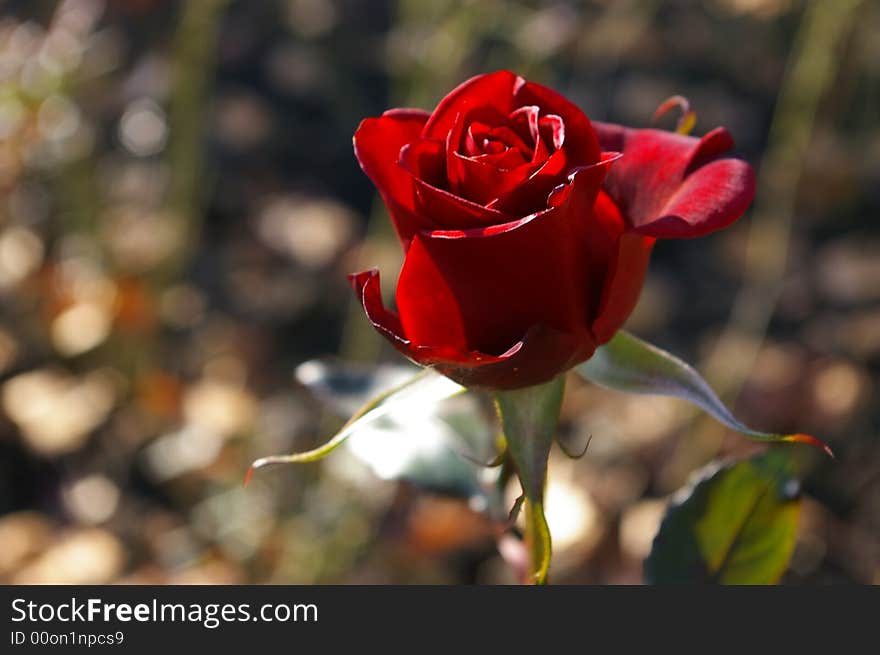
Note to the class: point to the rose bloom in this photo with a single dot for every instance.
(527, 229)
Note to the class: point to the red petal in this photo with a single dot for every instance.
(489, 286)
(530, 195)
(553, 130)
(506, 160)
(493, 90)
(425, 160)
(369, 292)
(482, 181)
(477, 181)
(571, 133)
(529, 117)
(670, 186)
(539, 356)
(580, 143)
(525, 122)
(477, 130)
(623, 284)
(449, 211)
(377, 145)
(366, 286)
(710, 199)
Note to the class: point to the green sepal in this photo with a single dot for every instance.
(529, 418)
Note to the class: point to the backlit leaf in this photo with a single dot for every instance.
(415, 396)
(629, 364)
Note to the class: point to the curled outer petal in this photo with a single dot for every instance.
(377, 146)
(525, 363)
(669, 185)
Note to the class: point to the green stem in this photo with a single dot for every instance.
(538, 543)
(529, 418)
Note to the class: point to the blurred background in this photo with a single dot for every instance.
(179, 205)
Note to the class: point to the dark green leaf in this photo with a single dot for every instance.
(735, 525)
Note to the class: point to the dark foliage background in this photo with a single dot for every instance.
(179, 205)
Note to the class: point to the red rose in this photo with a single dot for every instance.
(527, 229)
